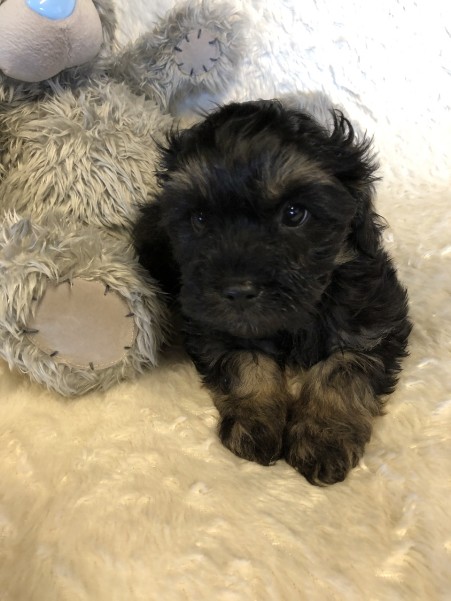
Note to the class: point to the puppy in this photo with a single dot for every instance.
(264, 231)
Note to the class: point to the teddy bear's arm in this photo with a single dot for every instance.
(194, 49)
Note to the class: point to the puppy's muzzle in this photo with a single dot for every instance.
(240, 292)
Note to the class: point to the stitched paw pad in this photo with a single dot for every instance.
(82, 324)
(197, 52)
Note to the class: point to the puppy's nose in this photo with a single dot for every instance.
(240, 291)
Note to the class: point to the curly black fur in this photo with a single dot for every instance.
(264, 231)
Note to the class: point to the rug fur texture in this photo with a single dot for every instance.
(128, 495)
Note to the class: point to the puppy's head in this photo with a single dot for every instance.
(260, 204)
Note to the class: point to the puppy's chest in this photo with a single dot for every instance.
(267, 346)
(300, 350)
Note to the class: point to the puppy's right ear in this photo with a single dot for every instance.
(154, 248)
(353, 163)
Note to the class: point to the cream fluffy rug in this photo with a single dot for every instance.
(129, 495)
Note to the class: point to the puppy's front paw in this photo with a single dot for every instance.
(251, 439)
(322, 459)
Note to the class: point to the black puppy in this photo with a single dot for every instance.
(264, 230)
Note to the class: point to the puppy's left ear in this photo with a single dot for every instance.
(355, 167)
(154, 248)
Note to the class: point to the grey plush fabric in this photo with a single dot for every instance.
(77, 157)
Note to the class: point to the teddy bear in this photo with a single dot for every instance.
(80, 128)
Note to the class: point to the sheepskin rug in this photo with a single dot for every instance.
(128, 495)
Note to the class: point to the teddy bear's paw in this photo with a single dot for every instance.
(77, 313)
(83, 324)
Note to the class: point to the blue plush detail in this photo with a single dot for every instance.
(53, 9)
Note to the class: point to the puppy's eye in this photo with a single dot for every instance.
(198, 221)
(293, 215)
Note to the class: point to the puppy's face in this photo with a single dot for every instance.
(260, 205)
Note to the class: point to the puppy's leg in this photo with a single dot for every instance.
(331, 417)
(250, 394)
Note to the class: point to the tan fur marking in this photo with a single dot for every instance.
(258, 375)
(332, 418)
(337, 386)
(290, 169)
(258, 382)
(295, 380)
(254, 411)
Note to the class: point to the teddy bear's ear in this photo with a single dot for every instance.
(353, 163)
(154, 248)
